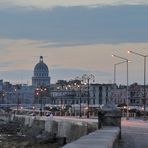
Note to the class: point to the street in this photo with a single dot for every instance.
(134, 134)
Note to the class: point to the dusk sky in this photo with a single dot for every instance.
(74, 36)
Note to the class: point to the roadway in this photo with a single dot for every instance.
(134, 134)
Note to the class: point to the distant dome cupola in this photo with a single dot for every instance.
(41, 74)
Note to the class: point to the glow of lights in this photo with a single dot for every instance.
(128, 51)
(124, 107)
(86, 108)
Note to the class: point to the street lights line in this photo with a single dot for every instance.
(126, 60)
(144, 97)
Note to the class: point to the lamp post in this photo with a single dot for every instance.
(126, 60)
(16, 94)
(41, 93)
(80, 100)
(115, 68)
(80, 95)
(144, 95)
(60, 90)
(87, 78)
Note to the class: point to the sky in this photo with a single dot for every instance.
(74, 37)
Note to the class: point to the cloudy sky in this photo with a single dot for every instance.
(74, 36)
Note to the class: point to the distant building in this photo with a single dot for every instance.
(41, 74)
(136, 94)
(70, 92)
(1, 85)
(26, 94)
(100, 94)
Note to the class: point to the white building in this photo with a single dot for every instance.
(101, 93)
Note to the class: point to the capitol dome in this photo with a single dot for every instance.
(41, 74)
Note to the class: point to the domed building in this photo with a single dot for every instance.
(41, 74)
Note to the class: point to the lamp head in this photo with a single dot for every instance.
(112, 55)
(128, 51)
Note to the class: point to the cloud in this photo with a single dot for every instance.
(46, 4)
(64, 26)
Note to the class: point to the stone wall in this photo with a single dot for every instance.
(69, 129)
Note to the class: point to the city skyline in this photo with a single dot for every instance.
(74, 38)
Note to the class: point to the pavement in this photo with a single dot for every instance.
(134, 134)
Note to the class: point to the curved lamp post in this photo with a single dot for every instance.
(115, 68)
(126, 60)
(144, 96)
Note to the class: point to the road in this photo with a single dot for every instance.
(134, 134)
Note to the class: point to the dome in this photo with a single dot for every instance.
(41, 74)
(41, 66)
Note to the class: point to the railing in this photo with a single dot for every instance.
(131, 115)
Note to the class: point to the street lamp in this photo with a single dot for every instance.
(60, 89)
(144, 96)
(16, 94)
(80, 95)
(126, 60)
(40, 93)
(115, 67)
(87, 78)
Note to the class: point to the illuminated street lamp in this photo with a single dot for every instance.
(127, 61)
(87, 78)
(16, 93)
(144, 96)
(40, 93)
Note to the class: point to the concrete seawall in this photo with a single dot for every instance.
(107, 137)
(78, 133)
(69, 129)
